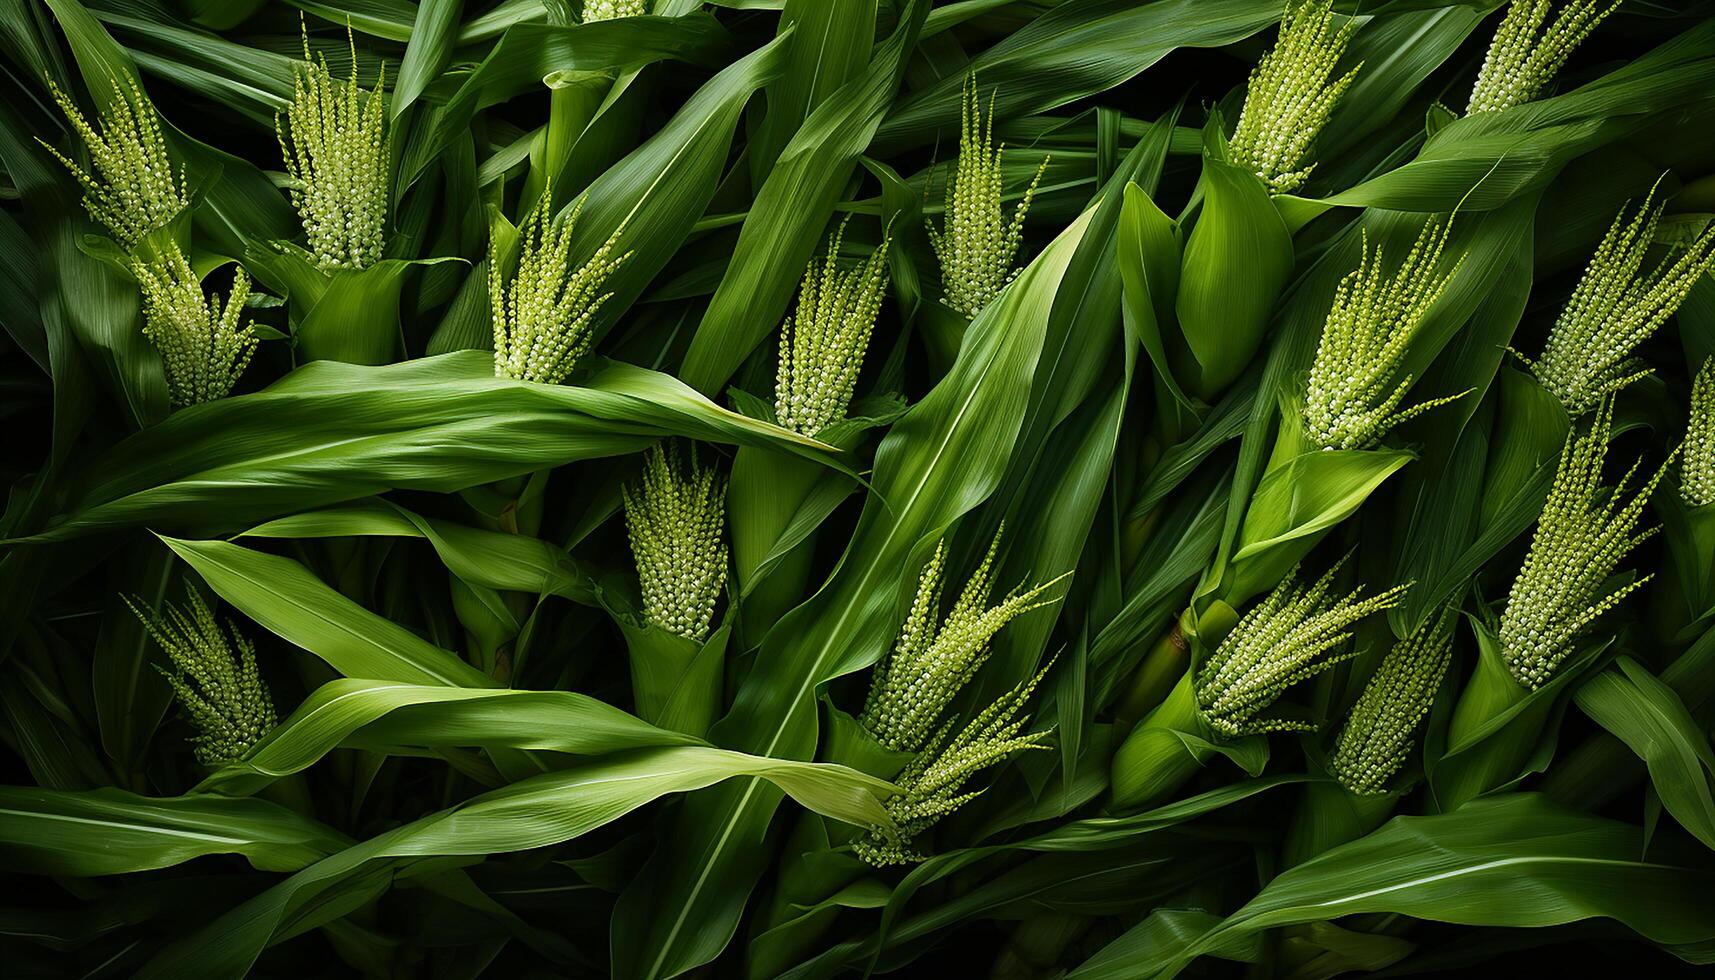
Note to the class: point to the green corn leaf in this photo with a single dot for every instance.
(791, 210)
(543, 810)
(48, 832)
(331, 432)
(1516, 861)
(1237, 259)
(286, 598)
(1644, 713)
(489, 559)
(393, 714)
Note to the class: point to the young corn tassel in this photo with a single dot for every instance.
(914, 685)
(223, 694)
(822, 347)
(1525, 56)
(1582, 535)
(1283, 640)
(675, 520)
(132, 190)
(1697, 465)
(1290, 96)
(1352, 398)
(976, 244)
(1614, 308)
(204, 348)
(595, 10)
(543, 319)
(1378, 737)
(934, 781)
(334, 142)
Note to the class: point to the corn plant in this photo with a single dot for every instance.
(651, 489)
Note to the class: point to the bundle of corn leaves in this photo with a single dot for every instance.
(809, 489)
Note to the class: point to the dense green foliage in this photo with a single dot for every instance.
(819, 488)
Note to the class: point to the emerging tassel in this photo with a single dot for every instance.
(595, 10)
(335, 145)
(543, 321)
(976, 245)
(1697, 465)
(1614, 308)
(1282, 640)
(675, 520)
(822, 348)
(132, 190)
(1378, 738)
(914, 685)
(204, 348)
(1582, 535)
(223, 694)
(1352, 398)
(934, 781)
(1290, 96)
(1524, 56)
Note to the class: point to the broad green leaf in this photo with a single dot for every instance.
(1075, 50)
(1515, 861)
(287, 599)
(330, 432)
(490, 559)
(1643, 712)
(388, 714)
(537, 812)
(50, 832)
(427, 53)
(1237, 259)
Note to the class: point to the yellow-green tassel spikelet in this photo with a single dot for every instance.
(1615, 307)
(822, 347)
(1281, 641)
(675, 519)
(1352, 396)
(976, 244)
(1697, 460)
(132, 190)
(914, 685)
(543, 319)
(1292, 92)
(334, 141)
(204, 348)
(1525, 55)
(223, 694)
(1378, 738)
(1582, 535)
